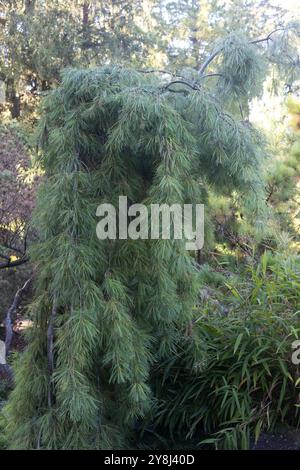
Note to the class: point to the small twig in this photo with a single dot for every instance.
(8, 318)
(9, 329)
(157, 71)
(270, 193)
(12, 264)
(182, 82)
(256, 41)
(212, 75)
(11, 247)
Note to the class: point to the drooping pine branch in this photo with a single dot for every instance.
(123, 305)
(219, 50)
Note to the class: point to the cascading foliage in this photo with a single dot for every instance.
(107, 313)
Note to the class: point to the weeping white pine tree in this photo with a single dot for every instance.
(106, 312)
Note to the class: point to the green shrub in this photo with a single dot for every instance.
(240, 379)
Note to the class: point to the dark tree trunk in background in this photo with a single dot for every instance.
(13, 98)
(29, 6)
(16, 105)
(85, 24)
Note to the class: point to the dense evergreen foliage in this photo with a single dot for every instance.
(133, 337)
(106, 312)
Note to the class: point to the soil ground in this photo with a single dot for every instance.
(283, 439)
